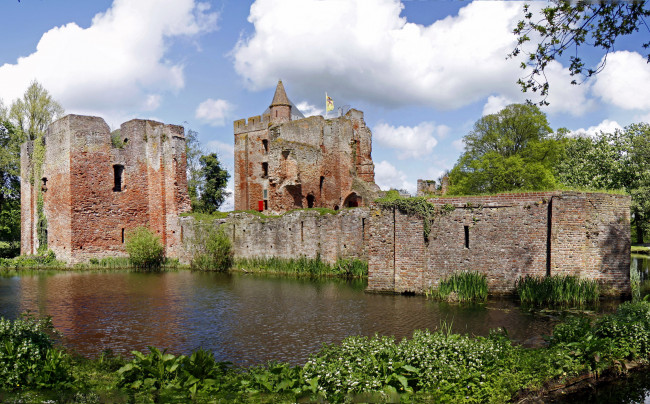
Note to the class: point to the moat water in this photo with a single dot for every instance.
(250, 320)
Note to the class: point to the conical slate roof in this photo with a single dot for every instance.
(280, 97)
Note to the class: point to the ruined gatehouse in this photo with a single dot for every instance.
(285, 161)
(84, 188)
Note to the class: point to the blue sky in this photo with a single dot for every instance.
(422, 71)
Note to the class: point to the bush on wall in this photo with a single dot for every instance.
(212, 249)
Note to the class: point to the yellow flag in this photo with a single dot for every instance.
(329, 103)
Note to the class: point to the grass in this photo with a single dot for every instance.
(639, 249)
(303, 266)
(462, 286)
(559, 188)
(223, 215)
(557, 290)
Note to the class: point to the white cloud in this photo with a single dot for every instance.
(308, 109)
(605, 126)
(411, 141)
(118, 64)
(223, 150)
(214, 112)
(625, 81)
(495, 103)
(229, 204)
(363, 49)
(387, 177)
(458, 144)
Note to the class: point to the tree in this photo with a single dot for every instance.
(613, 161)
(193, 153)
(511, 150)
(567, 26)
(212, 187)
(9, 190)
(35, 111)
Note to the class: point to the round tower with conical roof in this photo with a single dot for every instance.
(280, 107)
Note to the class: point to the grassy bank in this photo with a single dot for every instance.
(303, 266)
(430, 366)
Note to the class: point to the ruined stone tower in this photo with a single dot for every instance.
(285, 161)
(84, 188)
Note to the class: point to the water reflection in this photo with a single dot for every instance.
(243, 319)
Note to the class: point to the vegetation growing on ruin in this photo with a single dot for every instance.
(414, 206)
(303, 266)
(212, 248)
(44, 260)
(468, 286)
(557, 290)
(145, 249)
(116, 139)
(437, 366)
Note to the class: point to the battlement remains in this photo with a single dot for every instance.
(255, 123)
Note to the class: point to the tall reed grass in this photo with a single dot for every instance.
(467, 286)
(557, 290)
(303, 266)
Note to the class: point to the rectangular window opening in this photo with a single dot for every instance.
(118, 171)
(265, 144)
(363, 228)
(466, 236)
(265, 170)
(122, 235)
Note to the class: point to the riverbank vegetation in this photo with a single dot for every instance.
(557, 290)
(435, 366)
(303, 266)
(469, 286)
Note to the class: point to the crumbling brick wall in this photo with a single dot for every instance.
(505, 237)
(296, 234)
(310, 162)
(87, 215)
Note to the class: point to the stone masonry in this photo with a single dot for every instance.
(91, 192)
(505, 237)
(285, 162)
(301, 233)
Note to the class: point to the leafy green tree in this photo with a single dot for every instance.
(565, 26)
(613, 161)
(514, 149)
(35, 111)
(193, 153)
(212, 188)
(9, 190)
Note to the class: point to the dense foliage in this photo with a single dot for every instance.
(566, 26)
(612, 161)
(212, 248)
(28, 357)
(511, 150)
(212, 186)
(145, 249)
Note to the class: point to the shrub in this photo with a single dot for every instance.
(212, 249)
(28, 358)
(145, 249)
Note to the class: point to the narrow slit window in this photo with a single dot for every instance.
(466, 236)
(118, 171)
(122, 235)
(265, 170)
(265, 144)
(322, 179)
(302, 232)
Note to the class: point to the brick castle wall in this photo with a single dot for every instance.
(505, 237)
(86, 216)
(295, 234)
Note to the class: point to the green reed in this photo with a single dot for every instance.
(557, 290)
(466, 286)
(303, 266)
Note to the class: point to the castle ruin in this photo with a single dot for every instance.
(83, 189)
(285, 161)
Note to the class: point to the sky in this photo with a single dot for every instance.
(423, 72)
